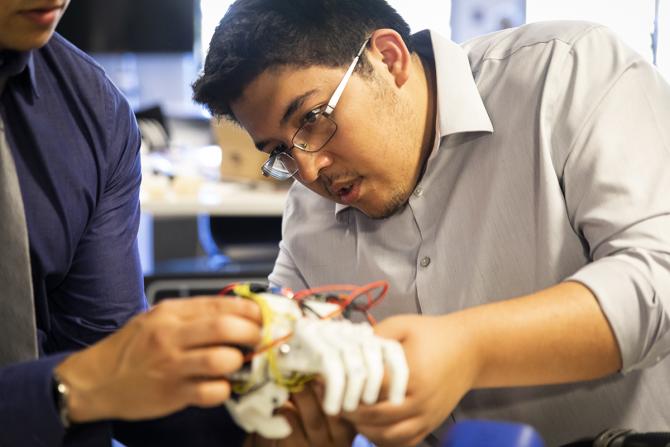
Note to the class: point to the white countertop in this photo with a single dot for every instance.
(161, 198)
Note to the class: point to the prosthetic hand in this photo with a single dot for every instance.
(303, 338)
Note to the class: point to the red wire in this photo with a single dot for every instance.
(342, 301)
(358, 291)
(228, 288)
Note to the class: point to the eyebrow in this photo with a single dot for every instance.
(295, 105)
(290, 110)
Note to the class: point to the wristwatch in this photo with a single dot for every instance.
(61, 394)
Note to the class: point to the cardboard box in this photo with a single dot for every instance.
(240, 159)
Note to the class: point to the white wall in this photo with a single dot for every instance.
(420, 14)
(632, 20)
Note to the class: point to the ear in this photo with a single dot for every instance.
(390, 49)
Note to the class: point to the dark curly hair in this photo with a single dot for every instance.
(255, 35)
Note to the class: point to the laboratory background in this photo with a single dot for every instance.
(208, 215)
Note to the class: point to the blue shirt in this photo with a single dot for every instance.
(75, 143)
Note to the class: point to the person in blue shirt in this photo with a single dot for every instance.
(75, 145)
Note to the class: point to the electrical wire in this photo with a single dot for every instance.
(345, 301)
(329, 293)
(293, 383)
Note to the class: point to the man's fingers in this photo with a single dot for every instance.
(382, 414)
(394, 328)
(196, 307)
(211, 362)
(205, 393)
(218, 330)
(298, 437)
(308, 407)
(342, 432)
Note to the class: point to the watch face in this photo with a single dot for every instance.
(61, 393)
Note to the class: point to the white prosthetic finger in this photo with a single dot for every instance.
(254, 411)
(238, 415)
(394, 358)
(328, 363)
(271, 427)
(374, 363)
(265, 399)
(275, 427)
(342, 336)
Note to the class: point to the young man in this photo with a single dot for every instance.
(513, 190)
(69, 268)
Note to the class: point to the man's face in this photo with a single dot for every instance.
(28, 24)
(371, 162)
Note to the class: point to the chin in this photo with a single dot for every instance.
(387, 206)
(41, 40)
(384, 211)
(30, 43)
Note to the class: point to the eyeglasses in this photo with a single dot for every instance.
(316, 131)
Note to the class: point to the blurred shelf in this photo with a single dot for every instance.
(216, 199)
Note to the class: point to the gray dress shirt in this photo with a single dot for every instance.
(552, 163)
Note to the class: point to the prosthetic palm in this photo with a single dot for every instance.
(307, 335)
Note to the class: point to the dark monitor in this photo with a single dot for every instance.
(136, 26)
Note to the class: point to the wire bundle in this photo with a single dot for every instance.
(343, 295)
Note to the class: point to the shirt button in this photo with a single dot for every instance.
(425, 261)
(418, 192)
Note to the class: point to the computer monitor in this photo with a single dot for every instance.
(131, 26)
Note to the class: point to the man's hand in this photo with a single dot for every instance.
(175, 355)
(441, 365)
(556, 335)
(310, 426)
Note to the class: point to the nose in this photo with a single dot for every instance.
(310, 164)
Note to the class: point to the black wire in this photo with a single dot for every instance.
(304, 305)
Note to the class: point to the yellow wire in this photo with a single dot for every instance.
(294, 383)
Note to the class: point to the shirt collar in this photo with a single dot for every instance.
(460, 108)
(19, 64)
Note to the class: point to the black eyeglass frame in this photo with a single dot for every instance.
(326, 111)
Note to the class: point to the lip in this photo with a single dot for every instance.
(43, 16)
(353, 193)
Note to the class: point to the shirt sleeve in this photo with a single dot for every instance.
(105, 277)
(616, 180)
(192, 427)
(28, 409)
